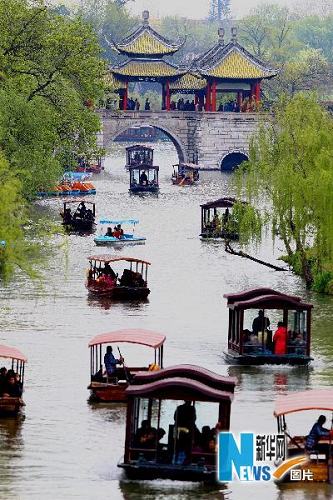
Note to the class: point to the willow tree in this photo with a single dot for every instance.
(290, 172)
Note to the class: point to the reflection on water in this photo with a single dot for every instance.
(68, 448)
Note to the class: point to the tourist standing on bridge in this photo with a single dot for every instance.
(137, 105)
(147, 105)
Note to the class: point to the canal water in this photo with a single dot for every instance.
(66, 448)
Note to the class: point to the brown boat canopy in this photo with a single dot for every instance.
(109, 258)
(221, 203)
(302, 401)
(130, 336)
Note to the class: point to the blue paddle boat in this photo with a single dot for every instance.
(112, 233)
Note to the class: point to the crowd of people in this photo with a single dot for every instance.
(134, 104)
(106, 276)
(10, 383)
(117, 232)
(280, 343)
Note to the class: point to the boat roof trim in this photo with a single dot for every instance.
(148, 338)
(119, 221)
(109, 258)
(271, 302)
(11, 353)
(304, 401)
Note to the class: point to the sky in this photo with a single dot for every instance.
(194, 9)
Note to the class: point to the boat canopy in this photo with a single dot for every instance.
(131, 336)
(139, 146)
(119, 221)
(188, 166)
(274, 301)
(76, 176)
(221, 203)
(189, 371)
(144, 166)
(109, 258)
(179, 388)
(77, 201)
(251, 294)
(302, 401)
(12, 353)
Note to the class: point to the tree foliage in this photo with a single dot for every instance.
(290, 172)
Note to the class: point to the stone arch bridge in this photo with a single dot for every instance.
(214, 140)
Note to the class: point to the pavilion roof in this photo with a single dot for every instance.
(145, 41)
(188, 81)
(111, 80)
(232, 61)
(146, 68)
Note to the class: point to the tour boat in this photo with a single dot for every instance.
(185, 174)
(144, 179)
(217, 221)
(12, 405)
(93, 166)
(250, 340)
(139, 155)
(80, 219)
(116, 237)
(103, 281)
(317, 462)
(112, 389)
(160, 442)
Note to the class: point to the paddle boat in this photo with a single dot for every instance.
(250, 338)
(117, 237)
(103, 281)
(72, 184)
(12, 404)
(144, 179)
(106, 388)
(185, 174)
(173, 419)
(217, 220)
(81, 218)
(318, 462)
(139, 155)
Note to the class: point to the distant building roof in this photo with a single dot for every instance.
(147, 68)
(145, 41)
(188, 81)
(231, 61)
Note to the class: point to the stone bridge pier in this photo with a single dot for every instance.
(214, 140)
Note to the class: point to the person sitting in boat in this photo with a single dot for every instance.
(111, 362)
(12, 388)
(108, 271)
(280, 339)
(143, 179)
(82, 209)
(317, 432)
(109, 232)
(185, 417)
(89, 216)
(298, 343)
(260, 323)
(67, 216)
(145, 436)
(226, 217)
(3, 378)
(118, 232)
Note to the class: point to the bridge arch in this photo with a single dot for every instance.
(173, 138)
(232, 160)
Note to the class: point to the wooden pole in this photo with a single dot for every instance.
(257, 92)
(213, 103)
(167, 88)
(125, 97)
(240, 99)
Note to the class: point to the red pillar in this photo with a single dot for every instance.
(167, 95)
(213, 103)
(125, 97)
(240, 99)
(257, 92)
(208, 92)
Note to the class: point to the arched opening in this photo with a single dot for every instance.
(232, 161)
(149, 133)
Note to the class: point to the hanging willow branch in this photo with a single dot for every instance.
(230, 250)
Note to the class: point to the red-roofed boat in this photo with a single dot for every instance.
(249, 345)
(103, 281)
(319, 465)
(107, 389)
(160, 442)
(12, 405)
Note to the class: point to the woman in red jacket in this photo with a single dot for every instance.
(280, 339)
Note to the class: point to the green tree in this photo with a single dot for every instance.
(290, 171)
